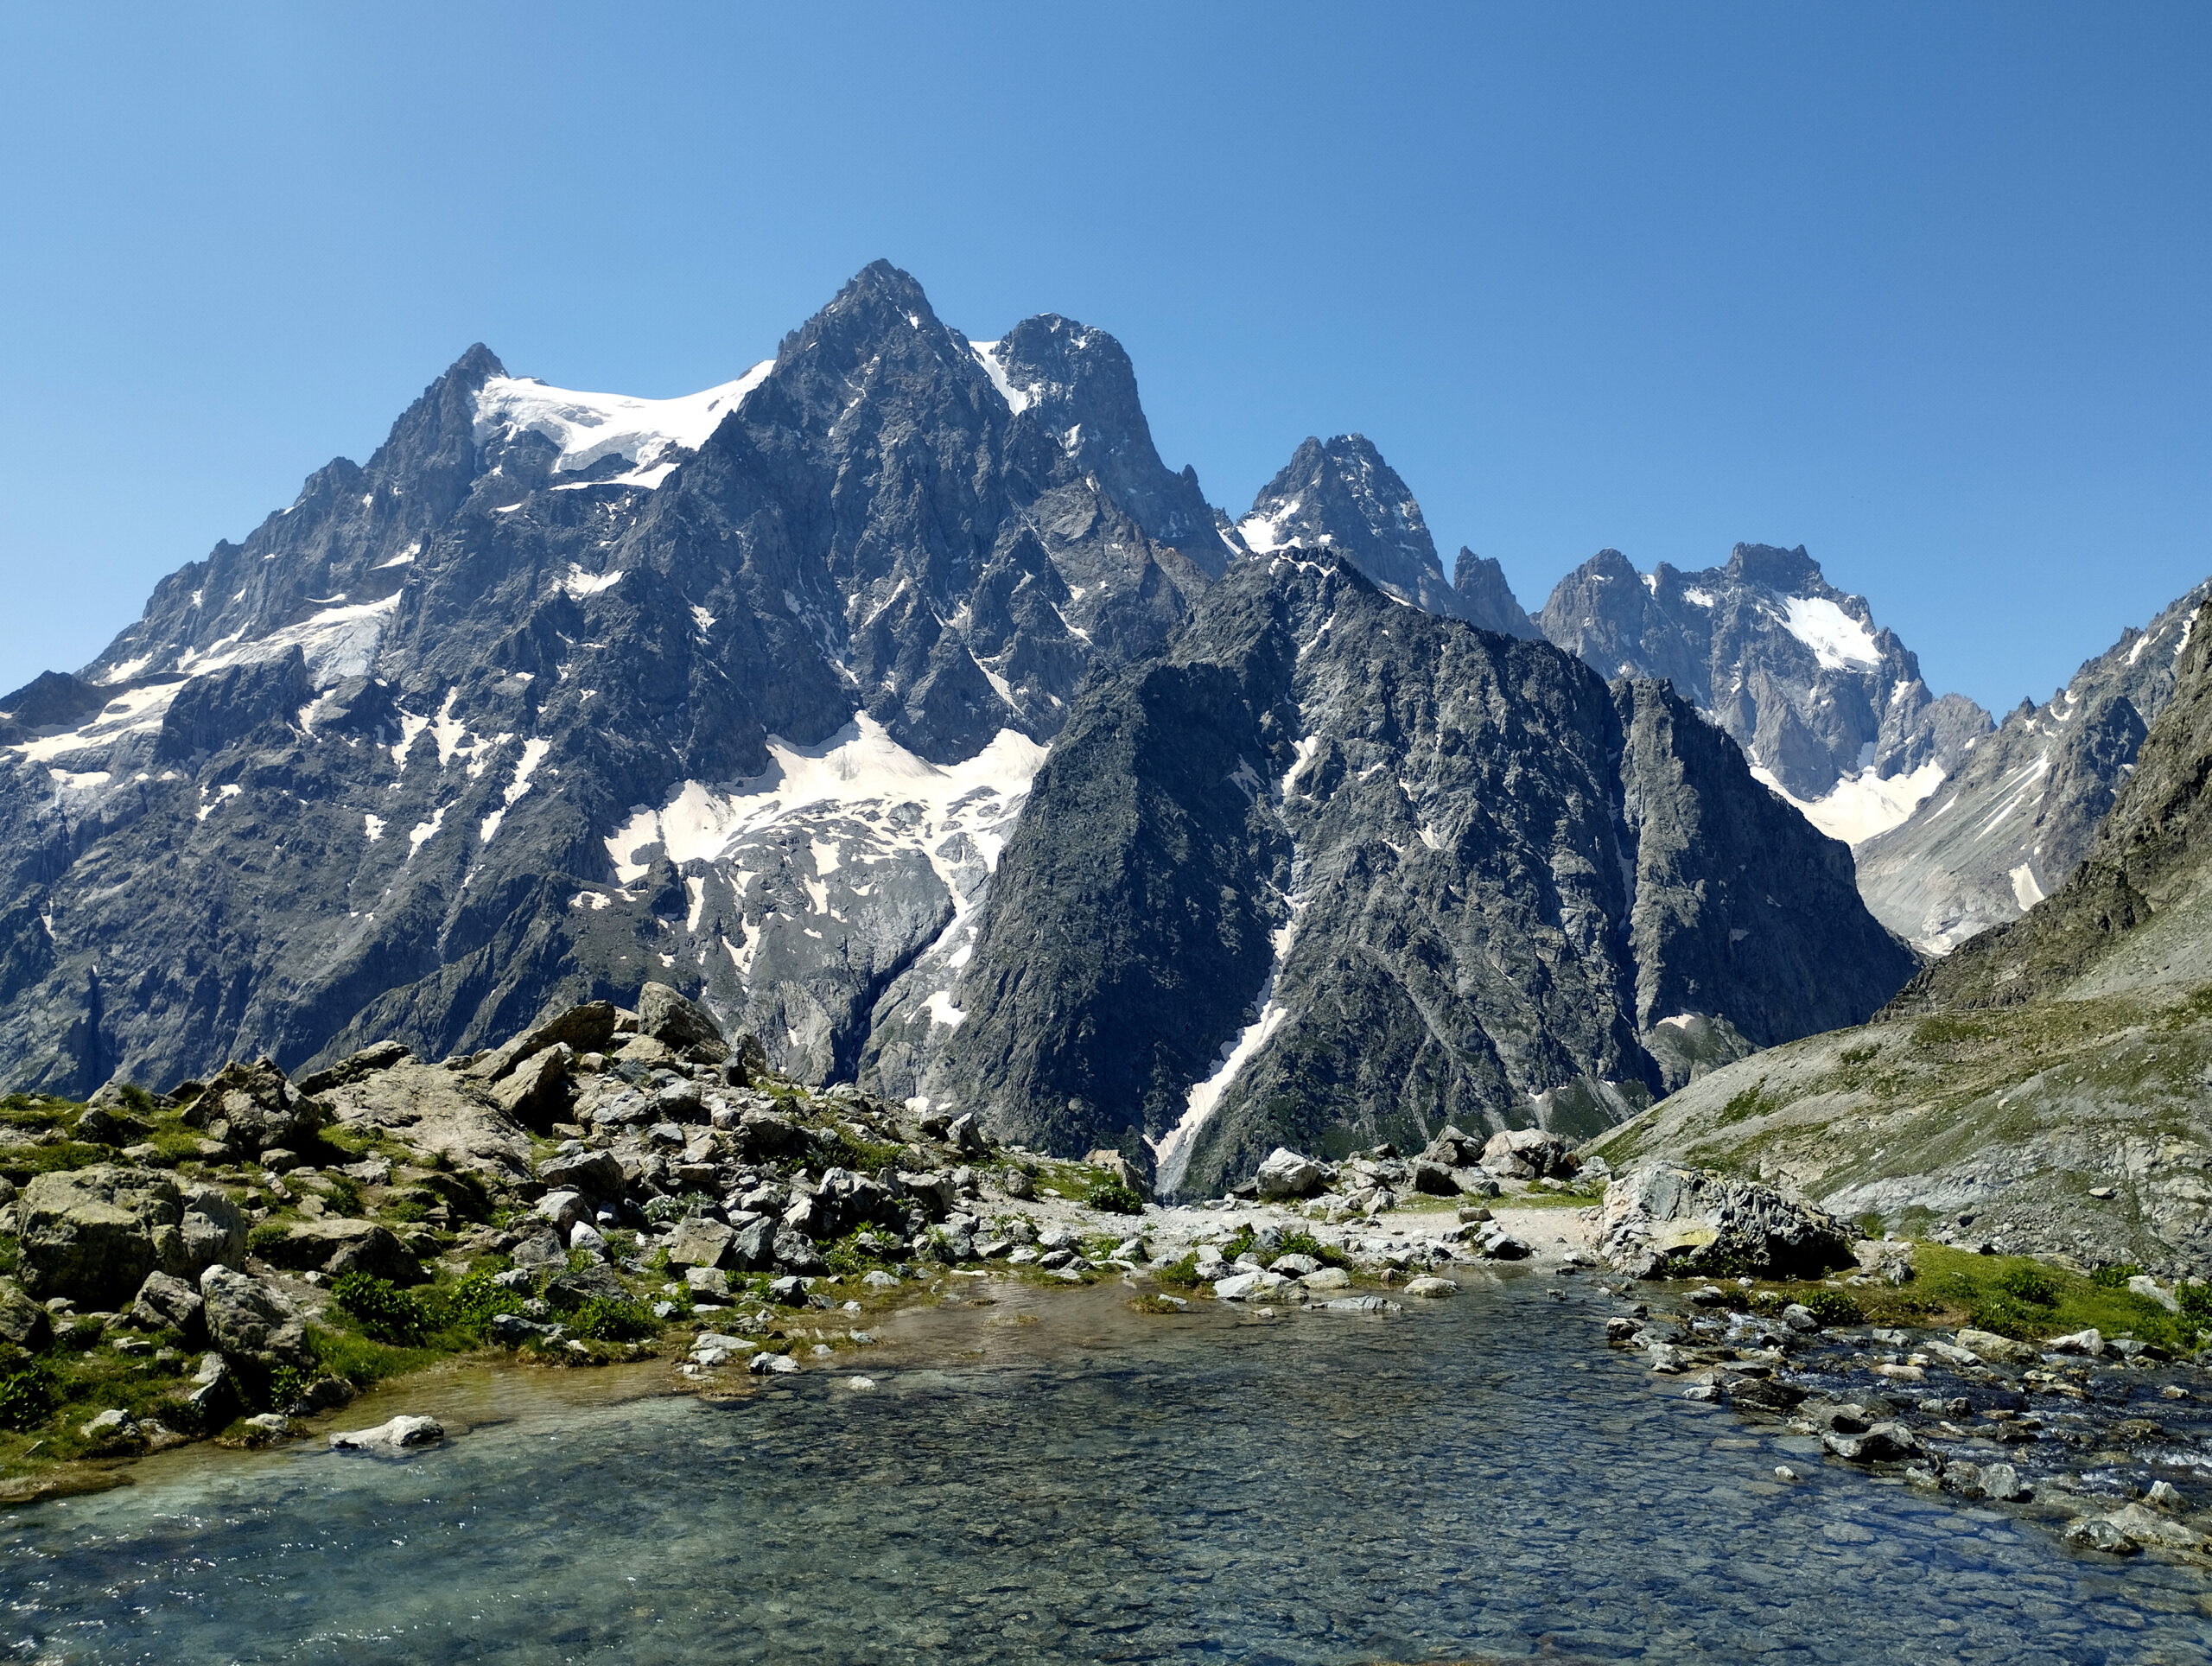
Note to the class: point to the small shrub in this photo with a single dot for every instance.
(1305, 1244)
(1831, 1307)
(379, 1306)
(1770, 1303)
(2114, 1277)
(1179, 1275)
(1113, 1197)
(25, 1397)
(265, 1236)
(473, 1303)
(2006, 1318)
(2029, 1285)
(605, 1318)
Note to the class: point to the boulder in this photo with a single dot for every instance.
(537, 1093)
(111, 1430)
(594, 1174)
(254, 1107)
(699, 1241)
(89, 1234)
(1430, 1289)
(165, 1303)
(1988, 1345)
(586, 1028)
(24, 1323)
(682, 1027)
(748, 1062)
(1664, 1218)
(934, 1191)
(354, 1066)
(336, 1245)
(247, 1317)
(796, 1253)
(752, 1244)
(401, 1434)
(562, 1210)
(1241, 1286)
(2089, 1344)
(105, 1125)
(1883, 1442)
(1527, 1154)
(1435, 1178)
(764, 1136)
(708, 1283)
(1287, 1175)
(2102, 1533)
(1453, 1149)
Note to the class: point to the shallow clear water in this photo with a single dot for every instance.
(1074, 1481)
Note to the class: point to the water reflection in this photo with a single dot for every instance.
(1055, 1477)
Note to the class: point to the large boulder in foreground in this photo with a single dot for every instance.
(94, 1234)
(250, 1319)
(1662, 1219)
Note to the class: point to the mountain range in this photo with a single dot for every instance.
(899, 702)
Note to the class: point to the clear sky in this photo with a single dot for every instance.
(1924, 288)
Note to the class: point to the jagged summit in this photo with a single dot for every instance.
(1485, 598)
(1829, 706)
(1342, 497)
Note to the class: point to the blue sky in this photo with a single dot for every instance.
(1922, 288)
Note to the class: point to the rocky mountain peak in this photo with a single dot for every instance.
(1829, 707)
(1486, 599)
(1341, 496)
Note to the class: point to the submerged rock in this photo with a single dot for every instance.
(401, 1434)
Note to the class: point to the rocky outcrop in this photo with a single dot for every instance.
(1339, 499)
(250, 1319)
(255, 1108)
(1337, 869)
(93, 1234)
(1662, 1219)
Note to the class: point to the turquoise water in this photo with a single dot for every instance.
(1068, 1480)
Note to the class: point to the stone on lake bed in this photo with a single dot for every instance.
(860, 1384)
(396, 1435)
(1430, 1289)
(1362, 1305)
(1241, 1285)
(1327, 1278)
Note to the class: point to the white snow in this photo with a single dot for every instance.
(1262, 532)
(1859, 806)
(447, 729)
(403, 558)
(1172, 1153)
(942, 1011)
(1838, 640)
(135, 711)
(579, 584)
(1698, 598)
(987, 355)
(223, 796)
(533, 753)
(423, 832)
(336, 642)
(374, 827)
(2025, 891)
(860, 769)
(702, 619)
(589, 427)
(410, 728)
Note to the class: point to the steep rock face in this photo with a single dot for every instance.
(1829, 708)
(1334, 871)
(2044, 1086)
(2019, 814)
(1486, 600)
(563, 690)
(1342, 499)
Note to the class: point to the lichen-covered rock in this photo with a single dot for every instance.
(338, 1246)
(254, 1107)
(165, 1302)
(89, 1233)
(250, 1319)
(24, 1323)
(682, 1027)
(1527, 1154)
(1663, 1218)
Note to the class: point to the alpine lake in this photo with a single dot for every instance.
(1042, 1475)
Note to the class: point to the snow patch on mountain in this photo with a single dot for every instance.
(586, 428)
(1859, 806)
(987, 354)
(1836, 638)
